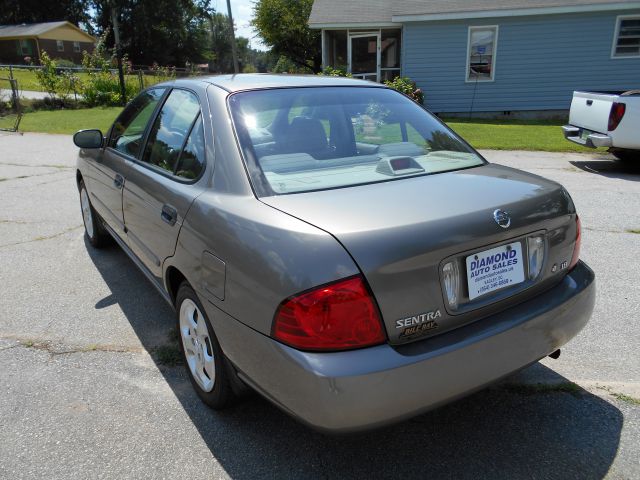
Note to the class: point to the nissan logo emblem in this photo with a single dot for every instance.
(502, 218)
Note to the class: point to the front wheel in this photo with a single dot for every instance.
(93, 227)
(201, 351)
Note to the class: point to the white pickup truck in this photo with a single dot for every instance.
(606, 119)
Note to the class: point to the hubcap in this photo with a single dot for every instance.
(197, 345)
(86, 212)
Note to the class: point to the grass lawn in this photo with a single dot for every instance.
(482, 134)
(69, 121)
(515, 135)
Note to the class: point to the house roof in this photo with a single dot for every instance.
(327, 13)
(34, 29)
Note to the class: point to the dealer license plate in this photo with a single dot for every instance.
(494, 269)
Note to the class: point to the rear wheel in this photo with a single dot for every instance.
(201, 351)
(626, 155)
(93, 227)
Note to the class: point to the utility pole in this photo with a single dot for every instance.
(116, 34)
(234, 52)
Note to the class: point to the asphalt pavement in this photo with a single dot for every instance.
(89, 389)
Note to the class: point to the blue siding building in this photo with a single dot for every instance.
(497, 56)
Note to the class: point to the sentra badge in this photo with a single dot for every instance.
(418, 319)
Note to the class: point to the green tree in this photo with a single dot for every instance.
(167, 32)
(13, 12)
(283, 26)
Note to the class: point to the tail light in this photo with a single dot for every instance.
(615, 115)
(576, 249)
(339, 316)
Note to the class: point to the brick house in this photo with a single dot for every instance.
(61, 40)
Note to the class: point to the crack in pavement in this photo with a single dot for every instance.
(38, 239)
(15, 222)
(604, 230)
(53, 165)
(54, 348)
(21, 177)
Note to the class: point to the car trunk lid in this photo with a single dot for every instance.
(400, 233)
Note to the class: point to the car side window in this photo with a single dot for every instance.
(128, 130)
(192, 158)
(170, 129)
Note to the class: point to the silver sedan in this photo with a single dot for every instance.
(332, 245)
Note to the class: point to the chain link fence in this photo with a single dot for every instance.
(10, 111)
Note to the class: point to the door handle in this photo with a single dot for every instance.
(589, 102)
(169, 214)
(118, 181)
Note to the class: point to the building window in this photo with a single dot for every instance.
(60, 45)
(390, 54)
(370, 54)
(626, 41)
(24, 47)
(481, 53)
(76, 47)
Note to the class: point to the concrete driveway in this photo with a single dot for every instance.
(89, 389)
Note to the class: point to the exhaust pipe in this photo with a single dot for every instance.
(555, 355)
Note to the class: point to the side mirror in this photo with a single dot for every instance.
(88, 139)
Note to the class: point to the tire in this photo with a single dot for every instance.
(94, 229)
(627, 156)
(204, 361)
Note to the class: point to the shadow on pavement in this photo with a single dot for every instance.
(610, 168)
(506, 431)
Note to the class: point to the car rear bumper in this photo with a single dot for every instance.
(367, 388)
(591, 140)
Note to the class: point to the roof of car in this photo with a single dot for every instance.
(255, 81)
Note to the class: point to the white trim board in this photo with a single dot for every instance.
(514, 12)
(354, 26)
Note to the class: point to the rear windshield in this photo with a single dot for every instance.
(304, 139)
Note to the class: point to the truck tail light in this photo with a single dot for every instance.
(615, 115)
(338, 316)
(576, 249)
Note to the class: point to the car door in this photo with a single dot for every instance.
(109, 170)
(163, 182)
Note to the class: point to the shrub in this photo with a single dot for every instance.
(64, 63)
(408, 87)
(47, 75)
(162, 74)
(47, 103)
(335, 72)
(103, 89)
(102, 86)
(58, 84)
(285, 65)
